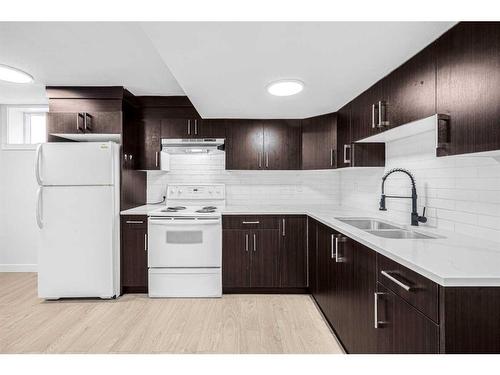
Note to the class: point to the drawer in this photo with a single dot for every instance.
(135, 221)
(417, 290)
(250, 222)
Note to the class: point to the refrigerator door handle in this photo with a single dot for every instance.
(39, 212)
(37, 164)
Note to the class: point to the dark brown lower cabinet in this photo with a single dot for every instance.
(134, 254)
(312, 256)
(401, 328)
(250, 258)
(293, 252)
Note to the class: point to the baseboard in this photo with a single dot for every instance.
(250, 290)
(18, 268)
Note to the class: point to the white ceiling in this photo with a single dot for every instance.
(86, 54)
(225, 67)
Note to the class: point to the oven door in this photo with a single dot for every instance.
(191, 242)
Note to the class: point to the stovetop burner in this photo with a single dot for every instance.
(207, 209)
(174, 209)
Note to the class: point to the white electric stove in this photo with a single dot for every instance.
(185, 242)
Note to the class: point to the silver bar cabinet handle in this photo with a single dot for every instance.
(331, 157)
(380, 114)
(283, 232)
(260, 160)
(84, 122)
(189, 127)
(254, 242)
(267, 159)
(396, 281)
(196, 127)
(331, 246)
(336, 249)
(246, 242)
(347, 161)
(376, 322)
(134, 222)
(145, 242)
(373, 116)
(250, 222)
(156, 156)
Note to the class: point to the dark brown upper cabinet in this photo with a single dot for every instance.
(263, 144)
(410, 90)
(178, 127)
(151, 145)
(468, 86)
(368, 112)
(319, 142)
(344, 137)
(211, 128)
(244, 144)
(282, 144)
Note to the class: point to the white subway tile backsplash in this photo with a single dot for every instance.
(248, 187)
(461, 193)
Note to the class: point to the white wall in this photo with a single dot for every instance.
(248, 187)
(462, 193)
(18, 230)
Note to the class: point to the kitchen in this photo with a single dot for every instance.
(218, 220)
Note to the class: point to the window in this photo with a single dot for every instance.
(24, 127)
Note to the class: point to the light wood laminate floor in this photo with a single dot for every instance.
(134, 323)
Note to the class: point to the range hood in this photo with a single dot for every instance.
(191, 146)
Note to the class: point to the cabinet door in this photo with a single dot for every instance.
(325, 287)
(264, 259)
(103, 122)
(355, 304)
(364, 111)
(411, 89)
(150, 155)
(468, 86)
(176, 128)
(343, 147)
(244, 144)
(319, 142)
(312, 256)
(282, 144)
(213, 128)
(64, 123)
(404, 329)
(235, 258)
(134, 256)
(293, 252)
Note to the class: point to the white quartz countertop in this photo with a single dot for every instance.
(451, 260)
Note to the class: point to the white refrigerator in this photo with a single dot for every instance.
(78, 213)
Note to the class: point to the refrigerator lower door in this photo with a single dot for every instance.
(78, 253)
(76, 163)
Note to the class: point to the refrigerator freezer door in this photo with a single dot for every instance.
(78, 253)
(74, 163)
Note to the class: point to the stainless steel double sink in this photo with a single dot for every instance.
(383, 229)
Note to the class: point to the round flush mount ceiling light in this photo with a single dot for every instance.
(14, 75)
(285, 87)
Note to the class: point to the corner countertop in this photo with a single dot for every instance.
(451, 260)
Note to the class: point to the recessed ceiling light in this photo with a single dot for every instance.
(10, 74)
(285, 87)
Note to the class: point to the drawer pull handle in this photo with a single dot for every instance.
(396, 281)
(251, 222)
(135, 222)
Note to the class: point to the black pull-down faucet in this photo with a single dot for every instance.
(415, 218)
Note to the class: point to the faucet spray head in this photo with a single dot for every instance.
(382, 203)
